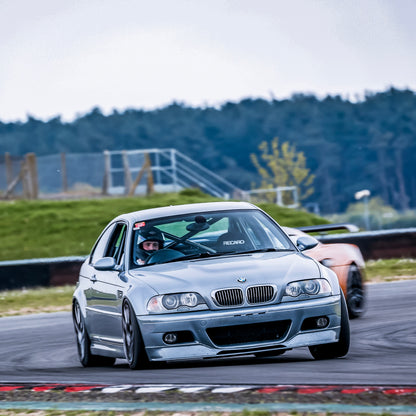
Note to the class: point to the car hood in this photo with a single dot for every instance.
(222, 272)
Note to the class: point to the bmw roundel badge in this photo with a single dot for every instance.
(241, 279)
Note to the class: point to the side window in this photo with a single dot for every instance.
(115, 247)
(101, 245)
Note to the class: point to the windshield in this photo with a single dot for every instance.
(206, 234)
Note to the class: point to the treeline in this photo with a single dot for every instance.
(349, 146)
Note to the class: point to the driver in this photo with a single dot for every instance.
(148, 242)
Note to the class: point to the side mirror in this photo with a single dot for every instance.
(106, 263)
(306, 242)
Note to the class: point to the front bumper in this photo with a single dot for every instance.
(153, 327)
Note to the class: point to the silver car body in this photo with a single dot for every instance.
(257, 323)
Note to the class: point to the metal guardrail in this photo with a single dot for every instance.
(329, 227)
(47, 260)
(18, 274)
(382, 244)
(370, 234)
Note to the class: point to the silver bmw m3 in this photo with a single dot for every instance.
(204, 281)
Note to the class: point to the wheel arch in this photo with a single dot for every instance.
(79, 297)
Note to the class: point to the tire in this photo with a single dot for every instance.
(355, 292)
(83, 342)
(339, 348)
(133, 344)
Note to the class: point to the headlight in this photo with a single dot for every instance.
(308, 288)
(311, 287)
(176, 302)
(293, 289)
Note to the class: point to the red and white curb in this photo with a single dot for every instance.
(216, 389)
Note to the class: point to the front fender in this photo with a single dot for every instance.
(331, 276)
(138, 294)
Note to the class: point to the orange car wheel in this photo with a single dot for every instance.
(355, 292)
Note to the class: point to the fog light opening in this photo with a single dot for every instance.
(322, 322)
(170, 338)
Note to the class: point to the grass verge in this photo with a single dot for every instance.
(387, 270)
(27, 301)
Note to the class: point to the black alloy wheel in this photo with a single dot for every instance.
(83, 342)
(133, 344)
(355, 292)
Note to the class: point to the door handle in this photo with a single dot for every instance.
(93, 278)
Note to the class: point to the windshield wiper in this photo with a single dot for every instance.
(203, 255)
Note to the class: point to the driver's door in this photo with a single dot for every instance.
(107, 289)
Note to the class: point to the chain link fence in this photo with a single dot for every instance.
(51, 174)
(110, 173)
(70, 172)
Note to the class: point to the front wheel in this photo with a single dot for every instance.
(133, 344)
(83, 342)
(339, 348)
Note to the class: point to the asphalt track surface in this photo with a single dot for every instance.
(41, 348)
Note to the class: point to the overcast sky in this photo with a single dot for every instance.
(64, 57)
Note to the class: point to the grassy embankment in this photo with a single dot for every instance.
(43, 229)
(36, 229)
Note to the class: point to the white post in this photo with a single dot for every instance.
(157, 158)
(365, 193)
(173, 164)
(108, 182)
(278, 196)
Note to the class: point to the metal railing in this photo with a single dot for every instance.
(281, 195)
(125, 172)
(170, 170)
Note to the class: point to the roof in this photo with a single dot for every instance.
(172, 210)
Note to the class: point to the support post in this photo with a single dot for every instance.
(279, 200)
(127, 174)
(63, 173)
(150, 180)
(158, 177)
(16, 180)
(9, 168)
(147, 167)
(33, 175)
(107, 172)
(174, 173)
(25, 179)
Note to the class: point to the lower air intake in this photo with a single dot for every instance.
(240, 334)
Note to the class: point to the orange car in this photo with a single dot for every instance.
(345, 260)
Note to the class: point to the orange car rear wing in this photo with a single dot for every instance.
(329, 227)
